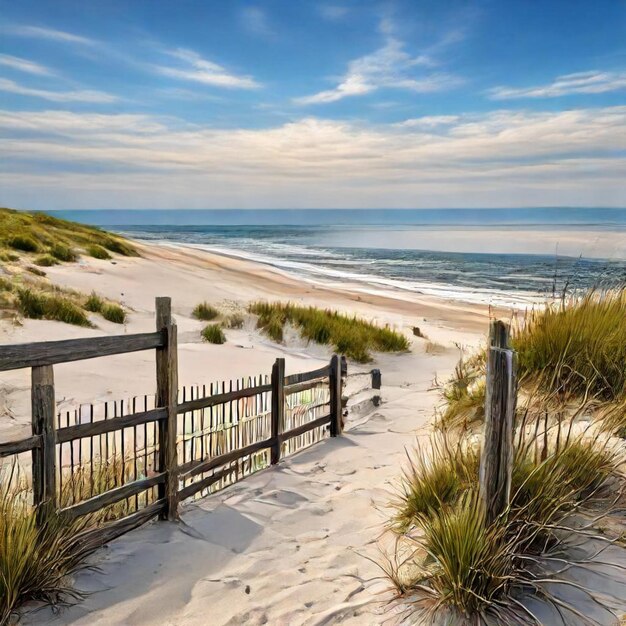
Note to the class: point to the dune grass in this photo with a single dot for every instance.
(212, 333)
(348, 335)
(41, 233)
(235, 320)
(577, 347)
(38, 305)
(36, 561)
(205, 312)
(474, 571)
(572, 350)
(46, 260)
(98, 252)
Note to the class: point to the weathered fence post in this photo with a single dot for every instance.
(278, 407)
(496, 463)
(167, 396)
(336, 422)
(43, 416)
(376, 379)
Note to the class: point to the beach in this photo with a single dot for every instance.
(303, 541)
(316, 516)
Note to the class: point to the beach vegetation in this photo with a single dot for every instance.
(94, 303)
(63, 253)
(36, 560)
(349, 335)
(39, 232)
(113, 312)
(98, 252)
(8, 257)
(473, 570)
(576, 347)
(205, 312)
(213, 333)
(45, 260)
(36, 304)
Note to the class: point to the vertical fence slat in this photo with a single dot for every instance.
(167, 396)
(278, 406)
(496, 464)
(44, 457)
(336, 421)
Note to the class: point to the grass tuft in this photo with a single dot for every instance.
(24, 243)
(97, 252)
(113, 313)
(205, 312)
(351, 336)
(63, 253)
(38, 305)
(36, 561)
(94, 303)
(213, 334)
(45, 260)
(577, 347)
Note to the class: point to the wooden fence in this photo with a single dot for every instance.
(184, 444)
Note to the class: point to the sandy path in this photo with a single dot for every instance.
(286, 546)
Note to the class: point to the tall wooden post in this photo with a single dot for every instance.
(44, 456)
(278, 407)
(167, 396)
(496, 463)
(336, 421)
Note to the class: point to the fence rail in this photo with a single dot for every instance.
(182, 447)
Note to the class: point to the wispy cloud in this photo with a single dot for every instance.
(255, 20)
(388, 67)
(38, 32)
(24, 65)
(81, 95)
(500, 158)
(568, 84)
(195, 68)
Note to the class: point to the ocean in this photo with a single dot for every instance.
(501, 257)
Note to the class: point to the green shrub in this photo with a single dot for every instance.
(6, 284)
(97, 252)
(63, 253)
(213, 334)
(351, 336)
(39, 305)
(205, 312)
(25, 243)
(113, 313)
(94, 303)
(45, 260)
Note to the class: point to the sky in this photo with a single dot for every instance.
(312, 104)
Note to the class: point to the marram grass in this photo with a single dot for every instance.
(213, 333)
(205, 312)
(466, 571)
(349, 335)
(577, 347)
(35, 560)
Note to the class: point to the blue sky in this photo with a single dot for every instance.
(279, 104)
